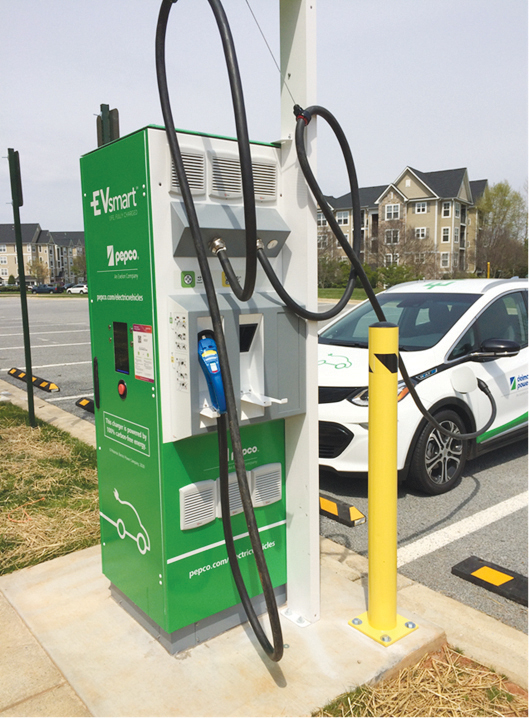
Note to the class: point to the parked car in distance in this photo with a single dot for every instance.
(42, 289)
(77, 289)
(479, 324)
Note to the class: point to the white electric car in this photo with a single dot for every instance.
(443, 325)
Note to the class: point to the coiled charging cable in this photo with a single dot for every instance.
(303, 118)
(230, 421)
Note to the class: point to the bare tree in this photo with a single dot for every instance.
(39, 270)
(502, 237)
(406, 246)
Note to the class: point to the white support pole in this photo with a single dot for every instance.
(300, 270)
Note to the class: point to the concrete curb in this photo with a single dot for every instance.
(81, 429)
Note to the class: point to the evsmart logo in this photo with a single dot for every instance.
(101, 200)
(114, 258)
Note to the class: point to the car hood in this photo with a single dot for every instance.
(348, 366)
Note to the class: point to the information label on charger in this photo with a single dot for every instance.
(143, 352)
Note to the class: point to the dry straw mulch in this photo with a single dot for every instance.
(441, 684)
(48, 492)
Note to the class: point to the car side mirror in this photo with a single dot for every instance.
(496, 348)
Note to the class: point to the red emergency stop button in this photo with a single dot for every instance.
(122, 389)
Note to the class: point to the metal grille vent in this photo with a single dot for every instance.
(198, 504)
(267, 484)
(225, 177)
(195, 167)
(235, 494)
(265, 181)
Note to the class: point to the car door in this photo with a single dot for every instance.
(506, 377)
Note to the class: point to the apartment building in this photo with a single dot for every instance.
(56, 250)
(422, 218)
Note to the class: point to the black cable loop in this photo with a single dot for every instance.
(352, 252)
(303, 117)
(275, 652)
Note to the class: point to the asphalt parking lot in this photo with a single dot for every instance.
(60, 346)
(434, 532)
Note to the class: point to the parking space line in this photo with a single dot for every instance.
(58, 331)
(460, 529)
(46, 346)
(64, 398)
(48, 366)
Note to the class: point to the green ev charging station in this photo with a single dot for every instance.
(163, 545)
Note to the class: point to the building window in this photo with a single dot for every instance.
(3, 272)
(446, 209)
(445, 260)
(457, 209)
(322, 222)
(446, 234)
(421, 232)
(421, 207)
(390, 259)
(3, 248)
(363, 218)
(392, 211)
(456, 235)
(392, 236)
(342, 217)
(3, 260)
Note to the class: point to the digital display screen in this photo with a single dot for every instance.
(121, 347)
(246, 335)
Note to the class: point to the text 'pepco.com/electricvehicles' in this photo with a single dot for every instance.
(443, 326)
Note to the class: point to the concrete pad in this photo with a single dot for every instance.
(25, 668)
(60, 701)
(118, 669)
(479, 636)
(81, 429)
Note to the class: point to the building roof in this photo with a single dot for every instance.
(477, 187)
(68, 239)
(30, 233)
(33, 234)
(444, 183)
(368, 195)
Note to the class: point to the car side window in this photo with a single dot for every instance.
(505, 318)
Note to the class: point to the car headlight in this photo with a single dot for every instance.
(361, 397)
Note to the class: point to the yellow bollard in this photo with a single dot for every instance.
(381, 621)
(382, 475)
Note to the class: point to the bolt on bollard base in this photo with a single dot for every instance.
(381, 621)
(385, 637)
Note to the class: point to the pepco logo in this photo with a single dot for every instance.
(114, 258)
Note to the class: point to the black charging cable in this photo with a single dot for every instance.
(303, 117)
(230, 422)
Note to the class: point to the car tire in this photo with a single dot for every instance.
(438, 460)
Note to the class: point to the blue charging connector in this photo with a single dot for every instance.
(209, 361)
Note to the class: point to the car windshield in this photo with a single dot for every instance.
(423, 319)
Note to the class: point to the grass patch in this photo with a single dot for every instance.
(445, 683)
(48, 492)
(358, 294)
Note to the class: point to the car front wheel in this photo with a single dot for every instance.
(439, 460)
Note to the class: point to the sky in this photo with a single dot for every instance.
(431, 84)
